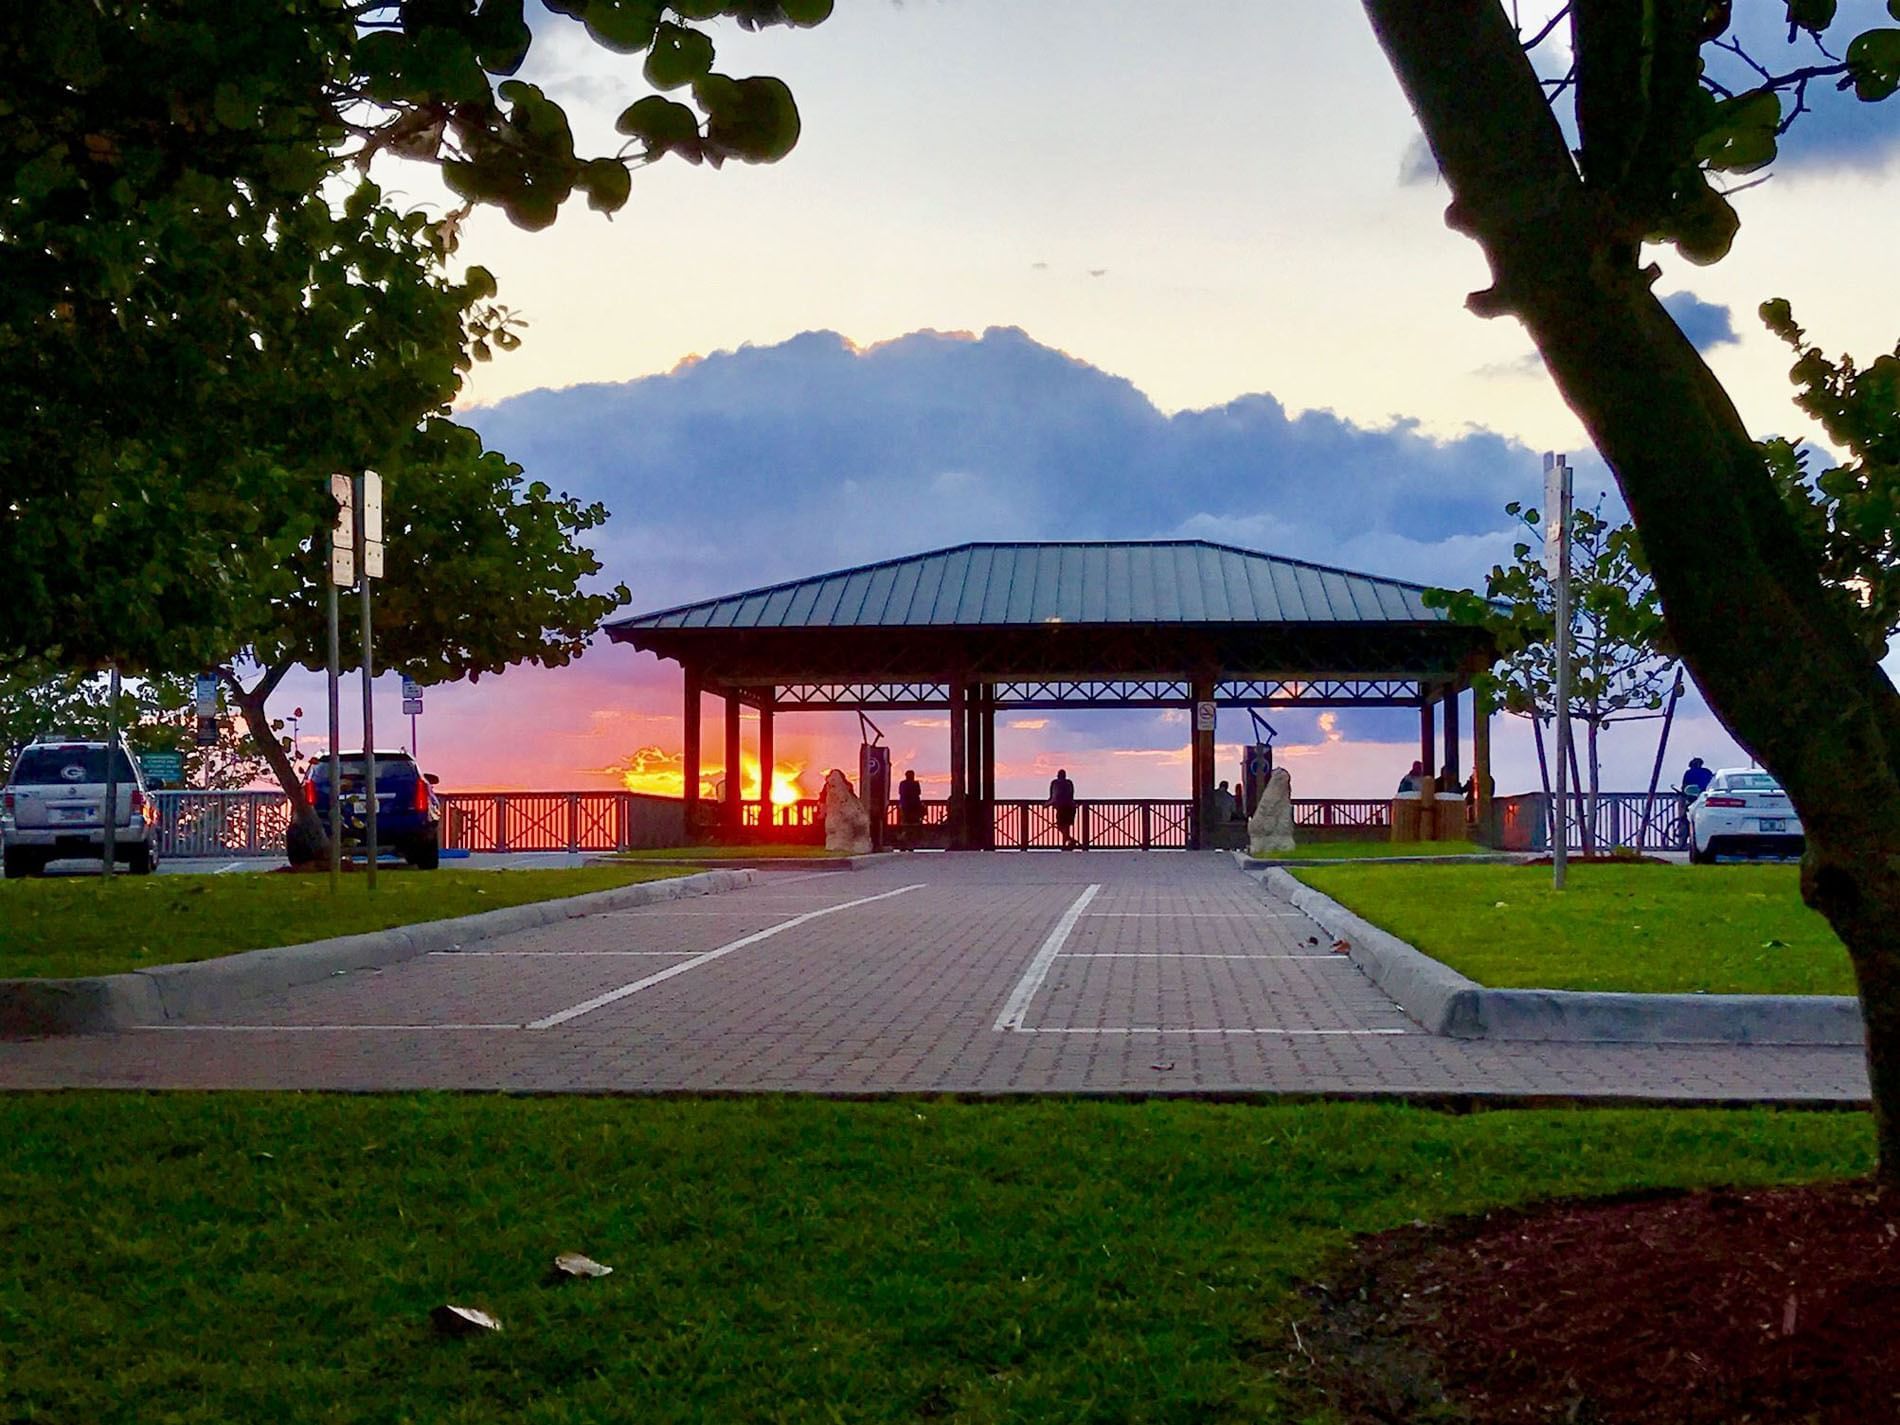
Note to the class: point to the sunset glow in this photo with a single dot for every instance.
(661, 773)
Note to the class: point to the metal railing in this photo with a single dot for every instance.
(221, 823)
(252, 823)
(1324, 813)
(1105, 825)
(1633, 819)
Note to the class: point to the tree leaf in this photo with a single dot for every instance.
(679, 56)
(608, 184)
(624, 26)
(1873, 61)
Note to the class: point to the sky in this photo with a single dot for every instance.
(1082, 269)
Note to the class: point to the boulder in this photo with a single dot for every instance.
(847, 824)
(1270, 828)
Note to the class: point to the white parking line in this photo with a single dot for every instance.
(598, 1001)
(559, 954)
(1201, 914)
(1026, 987)
(1161, 1029)
(227, 870)
(1193, 955)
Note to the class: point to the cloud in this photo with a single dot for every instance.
(1417, 167)
(1706, 324)
(1029, 724)
(1529, 364)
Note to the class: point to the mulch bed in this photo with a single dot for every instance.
(1757, 1307)
(1577, 858)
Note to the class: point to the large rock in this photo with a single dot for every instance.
(847, 824)
(1270, 828)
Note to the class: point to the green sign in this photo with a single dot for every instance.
(167, 767)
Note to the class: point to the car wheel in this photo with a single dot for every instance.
(1697, 857)
(141, 861)
(425, 852)
(18, 863)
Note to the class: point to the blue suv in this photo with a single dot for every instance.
(408, 816)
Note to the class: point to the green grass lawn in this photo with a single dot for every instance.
(246, 1257)
(1716, 929)
(85, 925)
(1353, 850)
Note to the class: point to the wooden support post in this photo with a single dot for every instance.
(689, 791)
(1427, 744)
(1451, 736)
(767, 761)
(959, 776)
(987, 792)
(1482, 789)
(1202, 762)
(731, 815)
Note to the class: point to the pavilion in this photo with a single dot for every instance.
(985, 628)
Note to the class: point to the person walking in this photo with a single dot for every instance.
(910, 809)
(1062, 798)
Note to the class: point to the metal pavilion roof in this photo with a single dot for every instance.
(1144, 582)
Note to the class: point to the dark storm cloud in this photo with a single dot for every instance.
(774, 462)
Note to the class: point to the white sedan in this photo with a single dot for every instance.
(1743, 812)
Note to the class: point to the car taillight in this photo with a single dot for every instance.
(310, 792)
(138, 803)
(1724, 802)
(422, 795)
(6, 801)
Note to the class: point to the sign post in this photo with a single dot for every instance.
(342, 575)
(412, 707)
(369, 559)
(1557, 566)
(109, 841)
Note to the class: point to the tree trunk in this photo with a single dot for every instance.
(1784, 673)
(1586, 829)
(1596, 777)
(306, 840)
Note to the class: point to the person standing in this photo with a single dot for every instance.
(910, 809)
(1696, 779)
(1062, 798)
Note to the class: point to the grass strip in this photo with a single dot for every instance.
(1354, 850)
(1648, 929)
(86, 925)
(197, 1259)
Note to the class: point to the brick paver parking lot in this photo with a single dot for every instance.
(1078, 972)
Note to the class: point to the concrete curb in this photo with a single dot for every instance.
(1473, 858)
(1434, 994)
(99, 1004)
(1446, 1002)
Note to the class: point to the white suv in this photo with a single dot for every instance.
(54, 803)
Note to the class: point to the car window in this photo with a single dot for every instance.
(1751, 782)
(68, 766)
(353, 766)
